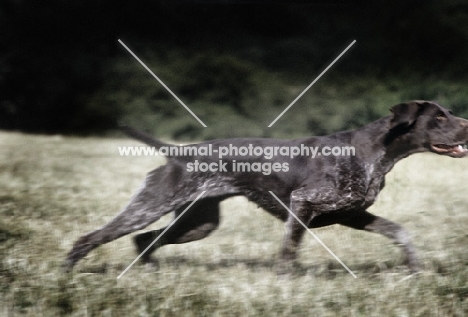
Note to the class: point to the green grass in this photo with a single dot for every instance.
(54, 189)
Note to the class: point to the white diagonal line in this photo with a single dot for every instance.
(164, 85)
(313, 234)
(155, 240)
(308, 87)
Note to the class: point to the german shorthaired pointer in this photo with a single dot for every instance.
(321, 191)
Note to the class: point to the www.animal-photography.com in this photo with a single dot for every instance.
(233, 158)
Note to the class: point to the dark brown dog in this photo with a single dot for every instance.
(321, 191)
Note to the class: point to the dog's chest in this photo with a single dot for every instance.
(375, 182)
(362, 182)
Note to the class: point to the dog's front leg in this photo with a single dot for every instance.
(364, 220)
(307, 204)
(294, 233)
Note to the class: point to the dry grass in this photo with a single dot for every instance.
(54, 189)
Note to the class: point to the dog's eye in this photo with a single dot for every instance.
(441, 117)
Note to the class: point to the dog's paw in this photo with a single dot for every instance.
(414, 265)
(151, 265)
(67, 266)
(285, 269)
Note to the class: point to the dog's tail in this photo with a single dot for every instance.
(142, 136)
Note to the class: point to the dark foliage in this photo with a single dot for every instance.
(63, 71)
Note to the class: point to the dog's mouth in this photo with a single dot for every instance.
(457, 150)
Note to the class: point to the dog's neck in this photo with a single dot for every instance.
(387, 146)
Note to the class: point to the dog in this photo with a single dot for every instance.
(321, 190)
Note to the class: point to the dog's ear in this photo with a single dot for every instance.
(405, 114)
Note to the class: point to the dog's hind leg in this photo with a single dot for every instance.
(196, 223)
(364, 220)
(137, 215)
(151, 203)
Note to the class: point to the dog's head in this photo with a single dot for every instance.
(430, 127)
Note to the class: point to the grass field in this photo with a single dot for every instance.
(54, 189)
